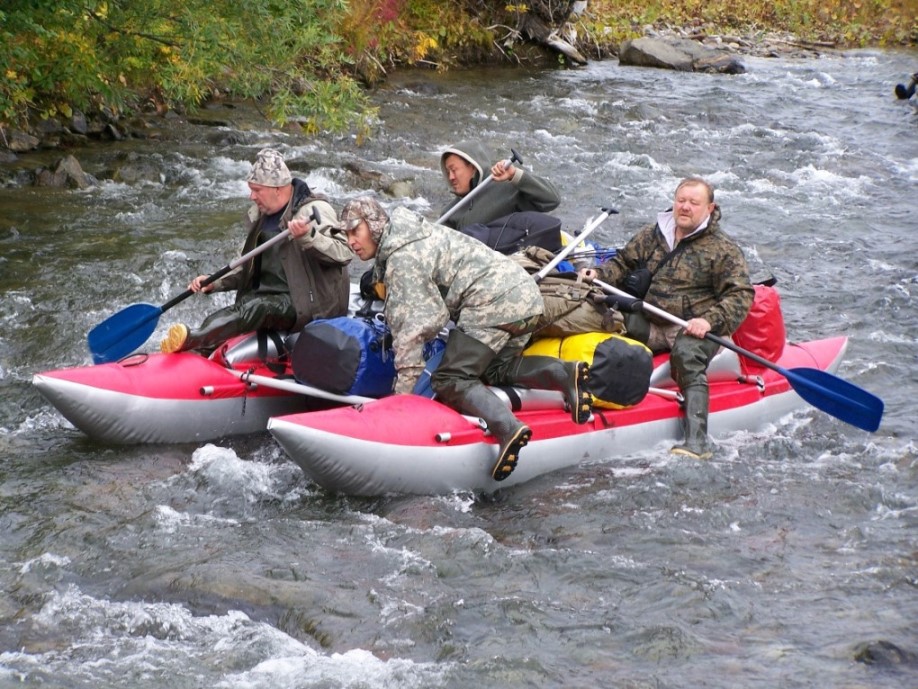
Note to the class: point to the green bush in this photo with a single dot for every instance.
(306, 59)
(116, 55)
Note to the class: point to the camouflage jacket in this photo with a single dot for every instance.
(315, 266)
(707, 279)
(525, 192)
(433, 275)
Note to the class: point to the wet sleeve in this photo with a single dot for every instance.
(536, 193)
(735, 290)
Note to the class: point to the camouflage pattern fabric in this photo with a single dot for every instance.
(367, 209)
(708, 279)
(433, 275)
(269, 169)
(569, 305)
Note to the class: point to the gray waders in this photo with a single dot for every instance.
(689, 359)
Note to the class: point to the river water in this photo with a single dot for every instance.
(774, 565)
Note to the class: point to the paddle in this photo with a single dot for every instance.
(514, 158)
(827, 392)
(564, 253)
(123, 332)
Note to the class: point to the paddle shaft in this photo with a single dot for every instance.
(227, 268)
(723, 342)
(467, 199)
(823, 390)
(264, 246)
(564, 253)
(310, 391)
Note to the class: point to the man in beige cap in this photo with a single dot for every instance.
(289, 284)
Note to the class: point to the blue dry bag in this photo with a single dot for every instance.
(346, 356)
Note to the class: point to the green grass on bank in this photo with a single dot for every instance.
(308, 60)
(843, 23)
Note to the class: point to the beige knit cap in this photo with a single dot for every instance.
(270, 170)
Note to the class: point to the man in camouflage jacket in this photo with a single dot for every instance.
(699, 275)
(430, 275)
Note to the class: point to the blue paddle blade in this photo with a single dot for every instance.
(836, 396)
(123, 332)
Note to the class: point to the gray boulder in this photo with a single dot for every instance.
(68, 173)
(680, 54)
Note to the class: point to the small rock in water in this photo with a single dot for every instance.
(883, 653)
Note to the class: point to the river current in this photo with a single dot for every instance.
(789, 560)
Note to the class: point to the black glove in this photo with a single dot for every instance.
(624, 304)
(367, 283)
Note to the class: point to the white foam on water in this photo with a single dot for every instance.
(44, 420)
(580, 106)
(461, 502)
(107, 643)
(891, 338)
(170, 521)
(626, 160)
(835, 188)
(227, 474)
(357, 668)
(321, 183)
(44, 561)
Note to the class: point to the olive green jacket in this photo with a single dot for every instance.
(315, 265)
(525, 192)
(708, 278)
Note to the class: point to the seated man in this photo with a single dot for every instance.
(289, 284)
(430, 275)
(697, 273)
(465, 165)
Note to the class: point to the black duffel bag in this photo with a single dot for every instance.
(516, 231)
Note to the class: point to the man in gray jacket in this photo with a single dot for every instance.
(466, 164)
(286, 286)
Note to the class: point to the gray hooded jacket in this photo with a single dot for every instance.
(525, 192)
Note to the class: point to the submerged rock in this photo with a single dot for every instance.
(884, 654)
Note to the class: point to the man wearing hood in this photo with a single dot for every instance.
(431, 275)
(465, 165)
(289, 284)
(698, 274)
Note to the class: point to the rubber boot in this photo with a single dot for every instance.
(213, 331)
(457, 383)
(695, 424)
(567, 377)
(250, 313)
(512, 433)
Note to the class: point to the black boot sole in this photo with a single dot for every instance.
(582, 402)
(510, 453)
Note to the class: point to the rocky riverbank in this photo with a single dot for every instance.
(697, 48)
